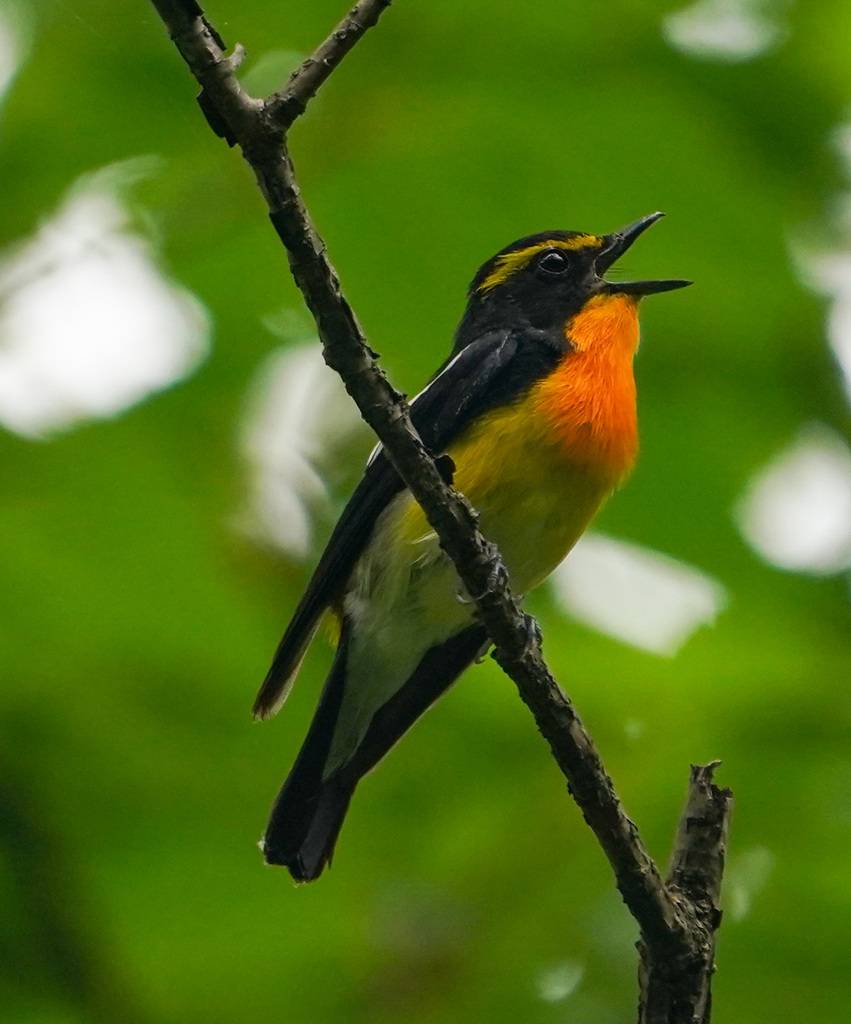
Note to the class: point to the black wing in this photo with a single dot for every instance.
(470, 383)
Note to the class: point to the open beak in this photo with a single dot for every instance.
(615, 245)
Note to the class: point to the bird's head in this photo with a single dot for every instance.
(545, 280)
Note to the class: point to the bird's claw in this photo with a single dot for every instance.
(534, 636)
(497, 580)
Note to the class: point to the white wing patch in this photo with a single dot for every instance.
(379, 447)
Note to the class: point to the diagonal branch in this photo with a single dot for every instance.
(666, 920)
(291, 101)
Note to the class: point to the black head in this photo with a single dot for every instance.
(543, 280)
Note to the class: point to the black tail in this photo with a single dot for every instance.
(309, 811)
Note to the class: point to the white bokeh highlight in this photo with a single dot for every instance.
(298, 415)
(796, 512)
(636, 595)
(89, 325)
(746, 877)
(726, 30)
(830, 274)
(12, 35)
(828, 271)
(558, 982)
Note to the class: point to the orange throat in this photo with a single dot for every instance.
(589, 401)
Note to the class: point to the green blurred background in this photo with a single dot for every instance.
(165, 438)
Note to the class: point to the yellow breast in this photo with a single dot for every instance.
(534, 501)
(538, 470)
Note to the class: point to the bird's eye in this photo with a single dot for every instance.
(553, 262)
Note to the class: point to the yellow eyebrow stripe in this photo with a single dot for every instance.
(509, 263)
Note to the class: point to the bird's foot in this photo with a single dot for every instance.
(497, 580)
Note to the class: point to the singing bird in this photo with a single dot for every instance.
(535, 406)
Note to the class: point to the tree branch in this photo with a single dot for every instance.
(291, 101)
(664, 912)
(676, 982)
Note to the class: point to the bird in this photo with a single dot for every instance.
(535, 406)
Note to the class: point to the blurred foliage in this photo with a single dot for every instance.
(137, 621)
